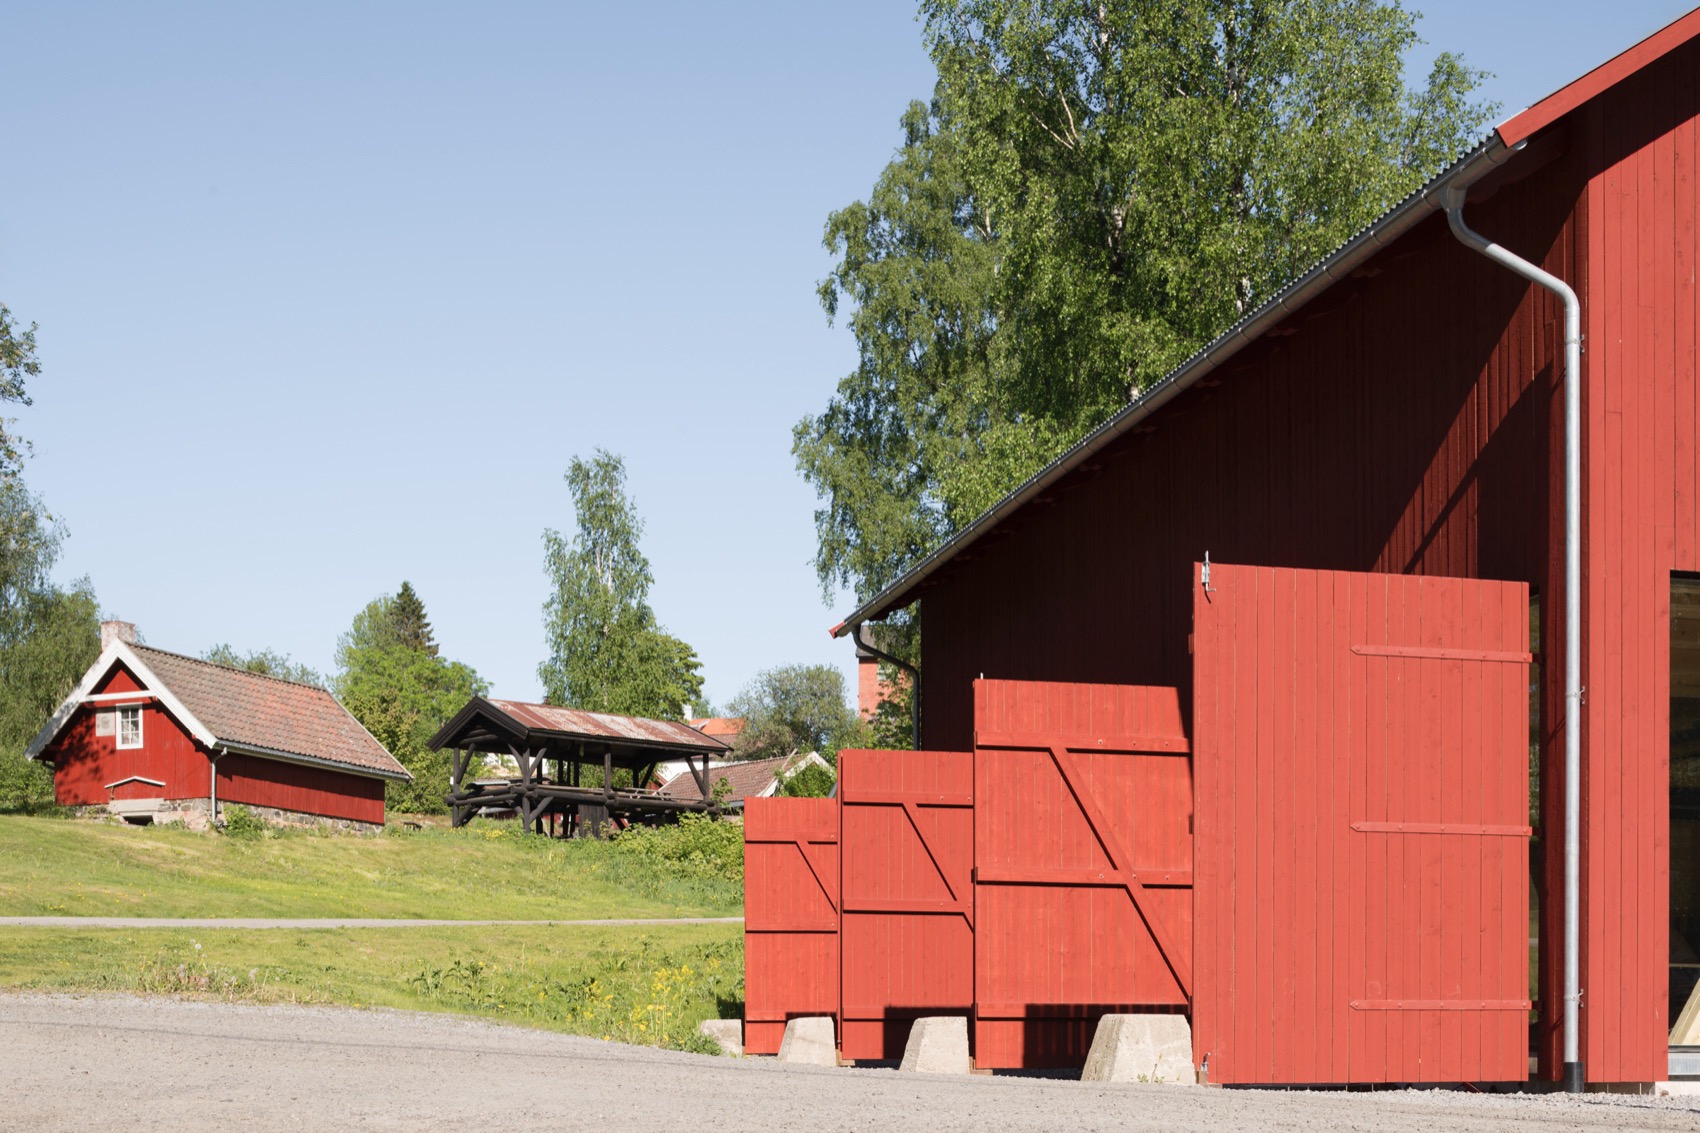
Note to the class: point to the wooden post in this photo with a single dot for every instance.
(701, 776)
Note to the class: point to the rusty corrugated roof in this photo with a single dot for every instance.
(604, 725)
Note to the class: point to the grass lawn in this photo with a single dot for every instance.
(649, 984)
(64, 867)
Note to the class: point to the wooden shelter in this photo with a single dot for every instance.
(558, 799)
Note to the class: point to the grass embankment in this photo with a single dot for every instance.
(648, 985)
(60, 867)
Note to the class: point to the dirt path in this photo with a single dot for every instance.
(313, 922)
(76, 1063)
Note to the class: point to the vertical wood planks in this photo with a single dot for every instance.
(1375, 738)
(791, 886)
(907, 925)
(1083, 864)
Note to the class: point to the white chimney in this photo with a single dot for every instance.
(117, 631)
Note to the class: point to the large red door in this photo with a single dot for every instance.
(1361, 753)
(1083, 863)
(907, 929)
(790, 916)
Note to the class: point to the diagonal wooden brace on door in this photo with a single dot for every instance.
(809, 850)
(816, 869)
(961, 889)
(1121, 864)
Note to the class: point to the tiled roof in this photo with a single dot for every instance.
(748, 778)
(723, 726)
(255, 710)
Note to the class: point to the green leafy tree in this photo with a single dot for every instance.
(796, 708)
(810, 782)
(49, 636)
(18, 362)
(402, 693)
(267, 661)
(1094, 191)
(606, 651)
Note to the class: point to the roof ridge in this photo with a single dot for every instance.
(231, 668)
(588, 711)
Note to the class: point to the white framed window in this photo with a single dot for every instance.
(130, 726)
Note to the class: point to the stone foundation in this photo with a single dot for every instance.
(193, 814)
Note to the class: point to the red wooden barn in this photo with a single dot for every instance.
(1292, 796)
(156, 736)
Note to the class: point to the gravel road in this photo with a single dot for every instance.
(89, 1062)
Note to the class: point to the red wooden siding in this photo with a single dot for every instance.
(790, 915)
(292, 786)
(1410, 422)
(1083, 858)
(907, 929)
(1361, 746)
(84, 762)
(1641, 515)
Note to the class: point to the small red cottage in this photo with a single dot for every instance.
(159, 737)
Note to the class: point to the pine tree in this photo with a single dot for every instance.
(407, 614)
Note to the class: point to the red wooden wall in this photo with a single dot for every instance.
(1361, 750)
(84, 762)
(906, 830)
(1642, 521)
(790, 915)
(1410, 421)
(292, 786)
(1083, 864)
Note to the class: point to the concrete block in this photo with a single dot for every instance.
(937, 1045)
(1141, 1048)
(809, 1041)
(728, 1033)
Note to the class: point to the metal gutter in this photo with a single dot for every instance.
(1343, 261)
(228, 746)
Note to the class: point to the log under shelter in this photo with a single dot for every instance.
(552, 747)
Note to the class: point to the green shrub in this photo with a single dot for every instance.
(698, 845)
(240, 822)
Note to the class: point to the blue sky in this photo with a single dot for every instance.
(330, 294)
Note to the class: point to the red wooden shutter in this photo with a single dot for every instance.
(1361, 749)
(790, 916)
(1083, 863)
(907, 823)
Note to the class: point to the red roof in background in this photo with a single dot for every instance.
(727, 726)
(748, 779)
(604, 725)
(256, 710)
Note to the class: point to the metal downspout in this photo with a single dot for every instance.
(212, 790)
(1454, 200)
(859, 633)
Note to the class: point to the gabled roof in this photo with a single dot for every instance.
(748, 779)
(488, 724)
(250, 713)
(1506, 140)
